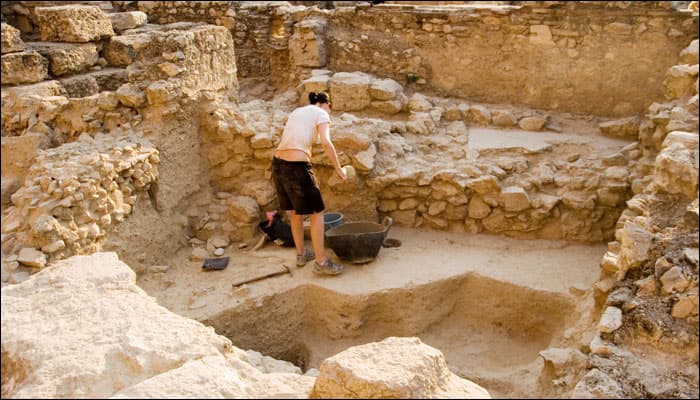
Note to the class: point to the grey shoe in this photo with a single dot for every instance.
(328, 267)
(305, 257)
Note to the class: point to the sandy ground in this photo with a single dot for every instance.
(505, 298)
(424, 256)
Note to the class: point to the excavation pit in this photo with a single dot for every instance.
(489, 303)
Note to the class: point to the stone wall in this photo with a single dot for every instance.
(647, 294)
(578, 57)
(163, 72)
(568, 56)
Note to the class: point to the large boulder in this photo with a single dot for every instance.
(83, 328)
(393, 368)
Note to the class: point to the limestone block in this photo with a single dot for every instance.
(350, 91)
(478, 209)
(437, 207)
(408, 204)
(244, 208)
(24, 67)
(419, 103)
(32, 257)
(616, 173)
(73, 23)
(680, 81)
(532, 123)
(544, 202)
(387, 107)
(11, 41)
(577, 199)
(364, 160)
(611, 320)
(624, 127)
(484, 184)
(674, 281)
(689, 55)
(131, 95)
(478, 115)
(67, 58)
(307, 45)
(121, 51)
(677, 164)
(80, 85)
(385, 89)
(685, 306)
(636, 243)
(41, 89)
(646, 286)
(127, 20)
(420, 123)
(350, 137)
(610, 262)
(515, 198)
(162, 91)
(503, 118)
(392, 368)
(453, 112)
(109, 78)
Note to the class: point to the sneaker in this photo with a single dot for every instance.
(305, 257)
(328, 267)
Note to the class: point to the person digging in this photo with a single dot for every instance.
(296, 184)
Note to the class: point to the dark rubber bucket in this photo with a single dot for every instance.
(358, 242)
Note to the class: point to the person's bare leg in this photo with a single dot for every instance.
(297, 223)
(317, 236)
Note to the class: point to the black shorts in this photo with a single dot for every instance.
(297, 186)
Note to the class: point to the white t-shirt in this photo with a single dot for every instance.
(300, 130)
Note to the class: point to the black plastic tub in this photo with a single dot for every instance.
(358, 242)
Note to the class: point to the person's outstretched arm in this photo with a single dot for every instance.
(325, 136)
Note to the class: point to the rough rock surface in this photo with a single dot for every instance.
(73, 23)
(393, 368)
(125, 344)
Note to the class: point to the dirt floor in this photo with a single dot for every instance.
(489, 303)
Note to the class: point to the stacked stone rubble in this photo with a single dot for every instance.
(63, 50)
(73, 193)
(648, 289)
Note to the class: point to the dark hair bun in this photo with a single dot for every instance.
(313, 98)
